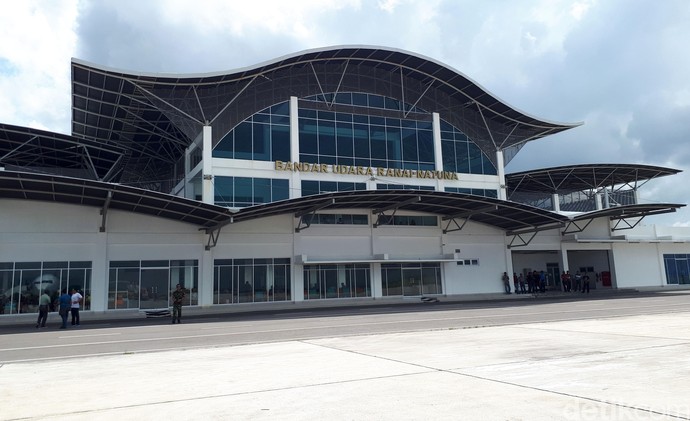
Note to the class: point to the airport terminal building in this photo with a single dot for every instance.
(343, 173)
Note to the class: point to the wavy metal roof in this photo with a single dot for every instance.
(155, 116)
(34, 150)
(571, 178)
(501, 214)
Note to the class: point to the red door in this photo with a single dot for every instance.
(606, 279)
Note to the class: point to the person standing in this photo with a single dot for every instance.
(516, 284)
(177, 296)
(76, 298)
(43, 305)
(506, 282)
(585, 283)
(65, 302)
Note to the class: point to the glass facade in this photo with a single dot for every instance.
(22, 283)
(338, 219)
(148, 284)
(411, 279)
(337, 281)
(310, 187)
(403, 187)
(477, 192)
(245, 191)
(327, 137)
(251, 280)
(265, 136)
(461, 154)
(677, 268)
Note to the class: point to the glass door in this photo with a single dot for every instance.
(154, 288)
(412, 282)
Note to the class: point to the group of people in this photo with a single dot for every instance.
(533, 283)
(575, 283)
(69, 304)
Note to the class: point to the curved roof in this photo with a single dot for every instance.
(41, 151)
(571, 178)
(157, 115)
(497, 213)
(30, 186)
(509, 216)
(630, 211)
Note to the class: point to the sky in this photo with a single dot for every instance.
(622, 67)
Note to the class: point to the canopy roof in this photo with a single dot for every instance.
(571, 178)
(497, 213)
(501, 214)
(156, 116)
(630, 211)
(40, 151)
(30, 186)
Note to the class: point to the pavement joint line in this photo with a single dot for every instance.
(222, 395)
(441, 370)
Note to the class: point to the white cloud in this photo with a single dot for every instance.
(38, 41)
(620, 66)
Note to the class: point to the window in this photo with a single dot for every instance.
(22, 283)
(411, 279)
(244, 191)
(336, 281)
(251, 280)
(677, 268)
(265, 136)
(148, 284)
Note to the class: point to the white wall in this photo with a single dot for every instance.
(637, 265)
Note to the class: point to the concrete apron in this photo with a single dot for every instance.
(623, 368)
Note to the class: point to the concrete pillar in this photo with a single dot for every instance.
(597, 201)
(500, 168)
(376, 282)
(208, 192)
(606, 199)
(556, 202)
(100, 274)
(438, 154)
(295, 179)
(206, 279)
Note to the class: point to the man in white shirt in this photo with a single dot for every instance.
(76, 301)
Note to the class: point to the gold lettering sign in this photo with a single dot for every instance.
(308, 167)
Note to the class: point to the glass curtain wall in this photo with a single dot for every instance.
(677, 268)
(148, 284)
(22, 283)
(337, 281)
(251, 280)
(411, 279)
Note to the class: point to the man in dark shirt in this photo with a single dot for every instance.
(177, 296)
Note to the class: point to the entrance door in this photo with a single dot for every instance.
(412, 281)
(554, 276)
(154, 288)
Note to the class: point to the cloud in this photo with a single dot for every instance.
(621, 66)
(38, 41)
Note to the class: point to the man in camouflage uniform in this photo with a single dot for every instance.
(177, 296)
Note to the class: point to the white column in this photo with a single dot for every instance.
(208, 193)
(500, 168)
(556, 202)
(100, 273)
(206, 279)
(509, 267)
(376, 281)
(597, 201)
(438, 151)
(187, 188)
(295, 180)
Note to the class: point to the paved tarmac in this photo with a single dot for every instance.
(626, 368)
